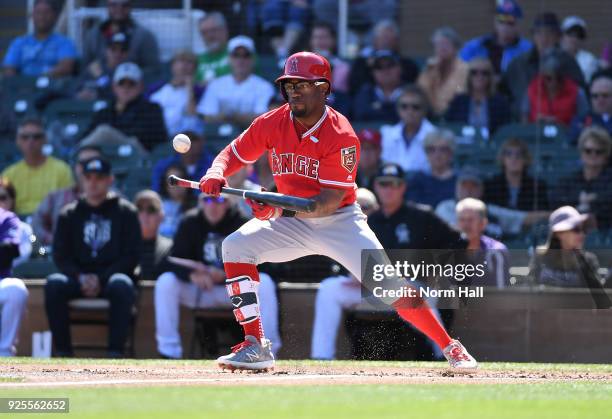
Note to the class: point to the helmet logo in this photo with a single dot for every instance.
(293, 65)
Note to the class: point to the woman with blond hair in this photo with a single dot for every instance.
(481, 106)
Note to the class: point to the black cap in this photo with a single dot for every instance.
(97, 165)
(547, 20)
(390, 171)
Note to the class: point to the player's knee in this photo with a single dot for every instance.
(56, 284)
(166, 283)
(235, 249)
(120, 286)
(15, 289)
(329, 289)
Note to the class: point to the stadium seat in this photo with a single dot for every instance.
(9, 153)
(67, 121)
(532, 133)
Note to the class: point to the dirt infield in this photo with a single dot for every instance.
(287, 373)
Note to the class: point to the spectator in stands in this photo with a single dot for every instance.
(175, 201)
(96, 248)
(402, 143)
(282, 21)
(514, 187)
(335, 294)
(551, 96)
(504, 43)
(376, 101)
(155, 247)
(323, 42)
(523, 68)
(8, 197)
(562, 261)
(472, 220)
(45, 217)
(196, 161)
(215, 61)
(588, 189)
(601, 106)
(503, 222)
(574, 34)
(143, 49)
(129, 112)
(200, 280)
(13, 292)
(481, 106)
(445, 73)
(44, 52)
(369, 161)
(36, 174)
(179, 96)
(385, 37)
(96, 80)
(238, 97)
(431, 188)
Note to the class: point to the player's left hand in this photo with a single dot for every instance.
(263, 211)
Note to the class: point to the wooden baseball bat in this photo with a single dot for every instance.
(288, 202)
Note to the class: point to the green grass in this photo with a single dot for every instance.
(555, 399)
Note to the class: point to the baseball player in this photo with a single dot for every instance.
(313, 153)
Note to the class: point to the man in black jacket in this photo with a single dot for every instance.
(130, 112)
(96, 247)
(197, 278)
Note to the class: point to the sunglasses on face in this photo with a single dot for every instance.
(549, 78)
(577, 230)
(148, 209)
(300, 86)
(119, 4)
(513, 153)
(212, 200)
(600, 95)
(384, 66)
(127, 83)
(4, 197)
(479, 72)
(593, 151)
(434, 149)
(389, 183)
(407, 105)
(243, 55)
(32, 136)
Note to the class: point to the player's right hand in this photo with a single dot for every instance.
(211, 183)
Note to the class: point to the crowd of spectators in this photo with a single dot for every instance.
(409, 173)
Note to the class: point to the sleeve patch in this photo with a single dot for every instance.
(348, 158)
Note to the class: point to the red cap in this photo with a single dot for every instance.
(370, 136)
(306, 66)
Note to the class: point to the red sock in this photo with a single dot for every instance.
(232, 270)
(421, 316)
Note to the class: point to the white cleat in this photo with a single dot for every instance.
(459, 358)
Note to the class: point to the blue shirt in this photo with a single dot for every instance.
(35, 57)
(479, 48)
(426, 189)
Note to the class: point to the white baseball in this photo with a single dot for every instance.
(181, 143)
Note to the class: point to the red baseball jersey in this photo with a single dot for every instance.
(325, 156)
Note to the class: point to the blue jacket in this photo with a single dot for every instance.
(486, 47)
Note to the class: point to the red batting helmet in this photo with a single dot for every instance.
(306, 66)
